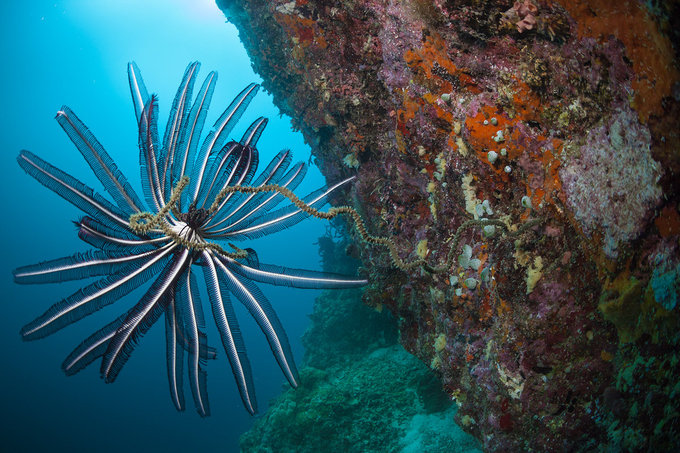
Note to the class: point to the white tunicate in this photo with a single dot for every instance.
(459, 292)
(453, 280)
(507, 169)
(475, 263)
(479, 209)
(504, 152)
(494, 121)
(464, 258)
(446, 97)
(489, 231)
(485, 275)
(487, 207)
(526, 202)
(492, 156)
(470, 283)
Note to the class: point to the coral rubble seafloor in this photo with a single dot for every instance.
(555, 327)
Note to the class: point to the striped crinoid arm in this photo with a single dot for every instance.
(226, 199)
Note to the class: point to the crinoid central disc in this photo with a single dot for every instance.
(194, 217)
(186, 232)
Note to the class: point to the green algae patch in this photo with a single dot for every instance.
(620, 305)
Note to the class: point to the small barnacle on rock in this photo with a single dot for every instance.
(492, 156)
(507, 169)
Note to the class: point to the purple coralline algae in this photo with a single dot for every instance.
(529, 153)
(614, 160)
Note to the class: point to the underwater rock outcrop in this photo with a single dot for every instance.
(556, 325)
(359, 391)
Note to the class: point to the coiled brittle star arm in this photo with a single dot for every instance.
(151, 221)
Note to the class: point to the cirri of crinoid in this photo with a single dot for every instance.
(189, 202)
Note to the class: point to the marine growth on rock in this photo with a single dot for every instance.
(554, 323)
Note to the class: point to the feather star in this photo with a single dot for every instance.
(126, 259)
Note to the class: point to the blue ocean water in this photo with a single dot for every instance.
(75, 52)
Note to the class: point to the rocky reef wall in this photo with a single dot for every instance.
(527, 153)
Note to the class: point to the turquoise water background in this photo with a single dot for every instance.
(75, 53)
